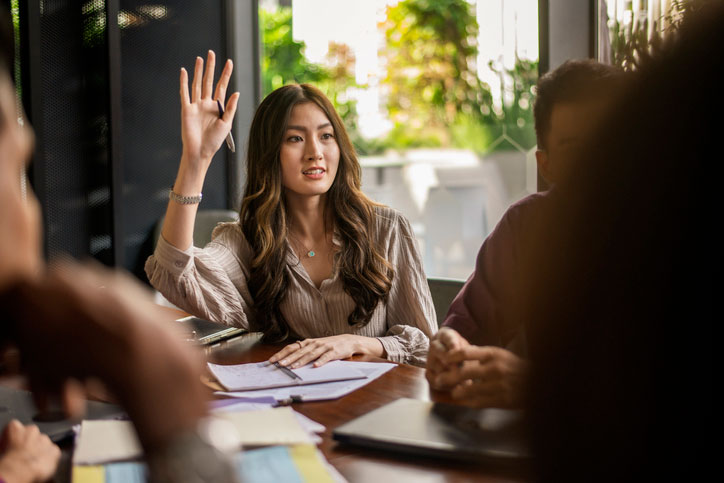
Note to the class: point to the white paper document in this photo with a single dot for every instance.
(309, 425)
(267, 427)
(322, 392)
(262, 375)
(105, 441)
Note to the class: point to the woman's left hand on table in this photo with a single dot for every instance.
(325, 349)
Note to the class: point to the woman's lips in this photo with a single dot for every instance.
(314, 173)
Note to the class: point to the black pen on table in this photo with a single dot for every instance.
(290, 400)
(229, 138)
(287, 371)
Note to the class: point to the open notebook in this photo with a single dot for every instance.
(263, 375)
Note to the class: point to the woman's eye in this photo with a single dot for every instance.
(327, 135)
(294, 139)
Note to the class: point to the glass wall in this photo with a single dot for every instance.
(629, 29)
(437, 96)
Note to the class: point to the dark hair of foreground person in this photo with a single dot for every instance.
(621, 292)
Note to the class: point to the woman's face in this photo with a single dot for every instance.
(19, 215)
(309, 153)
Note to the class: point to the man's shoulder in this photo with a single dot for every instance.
(527, 206)
(520, 215)
(531, 201)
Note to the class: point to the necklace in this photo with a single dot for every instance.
(310, 253)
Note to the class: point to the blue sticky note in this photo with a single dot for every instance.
(126, 473)
(267, 465)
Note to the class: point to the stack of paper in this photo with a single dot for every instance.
(104, 448)
(113, 440)
(267, 427)
(263, 375)
(302, 463)
(320, 392)
(243, 404)
(291, 464)
(106, 440)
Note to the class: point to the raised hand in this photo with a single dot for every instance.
(202, 130)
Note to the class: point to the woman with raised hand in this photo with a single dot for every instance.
(312, 258)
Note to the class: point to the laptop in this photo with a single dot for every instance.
(18, 404)
(204, 332)
(425, 428)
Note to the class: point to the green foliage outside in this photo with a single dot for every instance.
(630, 44)
(516, 119)
(15, 13)
(283, 63)
(434, 96)
(431, 78)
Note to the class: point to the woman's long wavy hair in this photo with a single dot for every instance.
(365, 274)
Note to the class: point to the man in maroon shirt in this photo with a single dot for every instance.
(479, 353)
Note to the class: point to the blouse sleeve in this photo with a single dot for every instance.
(209, 282)
(411, 317)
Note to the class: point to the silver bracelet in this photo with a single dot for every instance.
(184, 200)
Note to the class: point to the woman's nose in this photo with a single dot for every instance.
(313, 151)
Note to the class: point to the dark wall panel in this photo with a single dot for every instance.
(65, 84)
(156, 41)
(100, 86)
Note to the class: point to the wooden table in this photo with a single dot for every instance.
(355, 464)
(361, 464)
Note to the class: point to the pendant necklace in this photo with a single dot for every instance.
(310, 253)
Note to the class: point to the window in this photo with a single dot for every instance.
(627, 29)
(437, 96)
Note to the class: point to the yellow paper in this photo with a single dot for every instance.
(310, 466)
(88, 474)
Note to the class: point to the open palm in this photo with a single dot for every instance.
(202, 130)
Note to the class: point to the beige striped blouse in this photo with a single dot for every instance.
(211, 283)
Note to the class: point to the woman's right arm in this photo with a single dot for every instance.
(211, 282)
(207, 283)
(202, 133)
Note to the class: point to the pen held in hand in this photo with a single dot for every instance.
(229, 138)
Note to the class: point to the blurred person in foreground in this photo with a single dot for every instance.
(75, 323)
(622, 279)
(480, 352)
